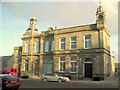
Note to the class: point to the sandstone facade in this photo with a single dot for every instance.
(79, 51)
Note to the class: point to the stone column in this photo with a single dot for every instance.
(81, 66)
(67, 64)
(96, 66)
(56, 64)
(41, 65)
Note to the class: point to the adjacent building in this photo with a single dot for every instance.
(78, 51)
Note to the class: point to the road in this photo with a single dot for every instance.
(32, 83)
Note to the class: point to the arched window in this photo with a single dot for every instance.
(46, 46)
(52, 46)
(37, 46)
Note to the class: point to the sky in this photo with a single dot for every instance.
(15, 15)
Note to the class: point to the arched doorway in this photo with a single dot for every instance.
(88, 68)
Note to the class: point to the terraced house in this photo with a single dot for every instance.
(78, 51)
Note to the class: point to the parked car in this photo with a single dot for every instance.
(9, 82)
(54, 77)
(11, 71)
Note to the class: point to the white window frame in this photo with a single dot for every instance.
(73, 41)
(62, 42)
(37, 45)
(73, 61)
(87, 41)
(60, 66)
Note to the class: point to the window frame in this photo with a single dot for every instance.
(61, 61)
(27, 49)
(46, 46)
(87, 40)
(73, 42)
(60, 48)
(73, 61)
(37, 46)
(52, 46)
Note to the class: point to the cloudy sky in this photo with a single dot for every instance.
(15, 15)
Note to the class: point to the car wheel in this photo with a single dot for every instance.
(45, 79)
(59, 80)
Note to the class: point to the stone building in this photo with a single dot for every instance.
(79, 51)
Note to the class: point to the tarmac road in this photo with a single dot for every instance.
(32, 83)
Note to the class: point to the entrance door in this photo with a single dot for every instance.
(88, 70)
(36, 68)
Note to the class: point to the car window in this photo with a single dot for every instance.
(51, 74)
(10, 77)
(48, 74)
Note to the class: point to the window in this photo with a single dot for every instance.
(52, 46)
(73, 42)
(73, 64)
(62, 64)
(88, 41)
(62, 43)
(37, 46)
(47, 46)
(28, 47)
(26, 65)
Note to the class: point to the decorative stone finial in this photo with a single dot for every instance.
(100, 2)
(100, 8)
(33, 17)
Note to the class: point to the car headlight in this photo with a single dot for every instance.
(67, 79)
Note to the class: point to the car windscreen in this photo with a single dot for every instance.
(9, 77)
(48, 74)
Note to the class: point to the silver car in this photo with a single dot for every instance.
(54, 77)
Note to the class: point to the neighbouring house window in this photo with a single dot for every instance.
(88, 41)
(73, 42)
(73, 64)
(62, 64)
(52, 46)
(46, 46)
(37, 46)
(62, 43)
(28, 47)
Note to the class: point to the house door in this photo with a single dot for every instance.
(88, 69)
(36, 68)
